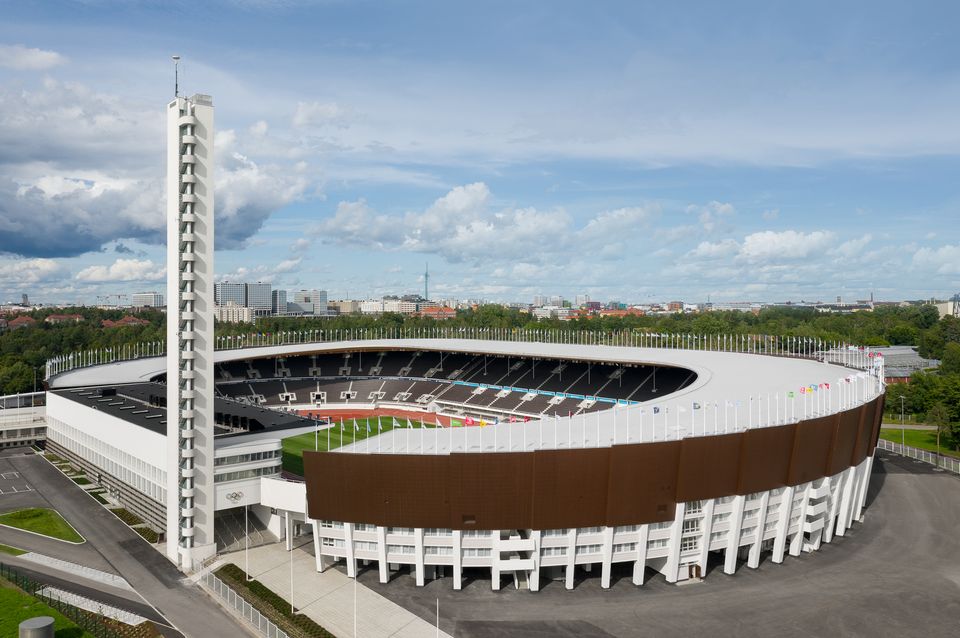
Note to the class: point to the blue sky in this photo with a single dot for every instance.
(632, 151)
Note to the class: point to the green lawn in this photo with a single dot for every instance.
(923, 439)
(42, 521)
(13, 551)
(294, 446)
(18, 606)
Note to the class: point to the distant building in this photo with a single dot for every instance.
(55, 319)
(675, 306)
(21, 322)
(146, 300)
(540, 300)
(232, 313)
(438, 312)
(310, 302)
(278, 302)
(226, 292)
(344, 306)
(125, 322)
(581, 300)
(260, 298)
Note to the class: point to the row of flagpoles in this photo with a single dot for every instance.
(805, 347)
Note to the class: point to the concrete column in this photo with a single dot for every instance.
(606, 552)
(846, 502)
(733, 536)
(348, 549)
(382, 566)
(418, 555)
(534, 579)
(288, 531)
(457, 559)
(706, 528)
(495, 561)
(796, 545)
(571, 556)
(316, 545)
(673, 545)
(783, 524)
(640, 564)
(753, 560)
(864, 487)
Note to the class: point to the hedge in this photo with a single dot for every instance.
(273, 606)
(148, 534)
(127, 516)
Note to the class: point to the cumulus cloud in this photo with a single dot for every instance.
(123, 270)
(22, 272)
(712, 216)
(319, 113)
(263, 272)
(21, 58)
(789, 244)
(944, 260)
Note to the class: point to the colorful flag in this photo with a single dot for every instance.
(456, 423)
(790, 395)
(469, 421)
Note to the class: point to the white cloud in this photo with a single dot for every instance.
(713, 215)
(715, 250)
(21, 58)
(123, 270)
(854, 247)
(786, 245)
(944, 260)
(319, 113)
(770, 214)
(20, 272)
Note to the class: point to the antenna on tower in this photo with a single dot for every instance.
(426, 281)
(176, 75)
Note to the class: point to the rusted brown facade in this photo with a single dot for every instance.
(553, 489)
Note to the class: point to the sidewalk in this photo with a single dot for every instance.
(328, 598)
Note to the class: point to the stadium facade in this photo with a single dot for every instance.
(596, 457)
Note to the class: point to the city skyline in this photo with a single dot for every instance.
(520, 151)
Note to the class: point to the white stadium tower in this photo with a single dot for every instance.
(190, 213)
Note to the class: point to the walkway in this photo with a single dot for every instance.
(329, 598)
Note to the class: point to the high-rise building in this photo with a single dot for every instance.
(225, 292)
(582, 300)
(146, 300)
(278, 302)
(310, 302)
(259, 298)
(189, 497)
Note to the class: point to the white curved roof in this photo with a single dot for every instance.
(733, 391)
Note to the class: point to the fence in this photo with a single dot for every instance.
(944, 462)
(852, 356)
(86, 620)
(249, 613)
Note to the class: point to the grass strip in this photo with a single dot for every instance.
(41, 520)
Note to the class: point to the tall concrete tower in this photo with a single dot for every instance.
(190, 489)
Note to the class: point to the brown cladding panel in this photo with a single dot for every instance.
(570, 487)
(878, 404)
(765, 458)
(844, 441)
(864, 436)
(709, 467)
(811, 449)
(642, 483)
(413, 488)
(491, 491)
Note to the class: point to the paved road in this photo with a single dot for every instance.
(185, 605)
(897, 574)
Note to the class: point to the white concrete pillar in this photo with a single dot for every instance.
(382, 566)
(673, 545)
(457, 559)
(495, 561)
(753, 559)
(316, 545)
(796, 544)
(418, 555)
(733, 536)
(706, 530)
(288, 530)
(640, 564)
(783, 524)
(846, 502)
(606, 552)
(571, 556)
(865, 487)
(350, 556)
(534, 578)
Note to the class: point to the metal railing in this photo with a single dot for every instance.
(943, 462)
(849, 355)
(248, 612)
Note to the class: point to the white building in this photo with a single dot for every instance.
(146, 300)
(225, 292)
(190, 295)
(232, 313)
(309, 302)
(260, 298)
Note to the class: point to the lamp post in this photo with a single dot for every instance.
(903, 434)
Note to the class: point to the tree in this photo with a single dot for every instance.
(950, 362)
(939, 416)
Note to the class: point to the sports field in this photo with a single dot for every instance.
(342, 433)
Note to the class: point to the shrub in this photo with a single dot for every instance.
(99, 497)
(272, 605)
(127, 516)
(148, 534)
(81, 480)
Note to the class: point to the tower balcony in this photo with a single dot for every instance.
(187, 492)
(188, 276)
(188, 355)
(188, 139)
(188, 257)
(188, 178)
(188, 394)
(188, 159)
(188, 472)
(190, 237)
(186, 512)
(188, 453)
(188, 374)
(186, 532)
(188, 434)
(188, 198)
(186, 414)
(188, 296)
(188, 120)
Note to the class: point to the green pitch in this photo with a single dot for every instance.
(331, 439)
